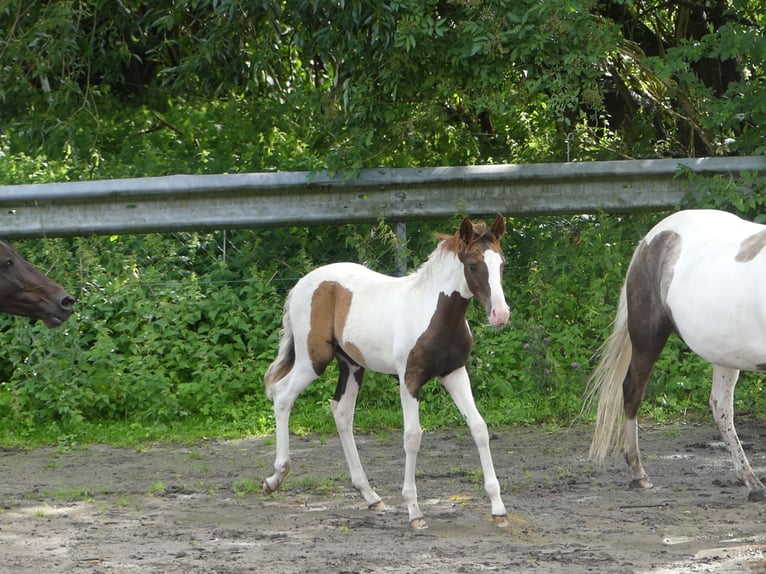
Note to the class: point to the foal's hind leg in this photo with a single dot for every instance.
(284, 393)
(343, 407)
(722, 405)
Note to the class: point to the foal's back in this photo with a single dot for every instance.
(373, 318)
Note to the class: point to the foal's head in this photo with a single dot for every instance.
(26, 292)
(479, 250)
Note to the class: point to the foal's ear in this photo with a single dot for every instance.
(498, 227)
(466, 230)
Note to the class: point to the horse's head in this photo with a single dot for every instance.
(26, 292)
(483, 264)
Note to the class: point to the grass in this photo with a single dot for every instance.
(306, 419)
(157, 488)
(189, 431)
(245, 486)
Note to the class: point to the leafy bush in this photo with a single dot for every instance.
(181, 327)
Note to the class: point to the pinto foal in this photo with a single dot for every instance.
(413, 327)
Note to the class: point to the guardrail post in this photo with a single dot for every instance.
(400, 229)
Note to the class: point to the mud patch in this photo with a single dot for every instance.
(198, 509)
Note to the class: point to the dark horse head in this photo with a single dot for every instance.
(26, 292)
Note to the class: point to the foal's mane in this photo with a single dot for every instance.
(449, 244)
(453, 242)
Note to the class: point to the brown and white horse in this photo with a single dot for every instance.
(26, 292)
(702, 274)
(413, 327)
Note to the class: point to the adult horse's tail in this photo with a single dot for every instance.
(606, 383)
(285, 360)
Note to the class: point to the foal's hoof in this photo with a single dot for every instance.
(756, 495)
(641, 484)
(377, 506)
(501, 520)
(267, 489)
(418, 523)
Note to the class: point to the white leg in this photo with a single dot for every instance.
(722, 405)
(343, 412)
(633, 456)
(412, 437)
(284, 394)
(458, 385)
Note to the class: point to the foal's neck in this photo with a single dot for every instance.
(442, 272)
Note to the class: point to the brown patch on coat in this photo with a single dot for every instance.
(751, 247)
(443, 347)
(330, 305)
(650, 322)
(353, 352)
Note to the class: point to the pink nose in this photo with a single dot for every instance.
(499, 315)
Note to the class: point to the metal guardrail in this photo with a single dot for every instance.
(205, 202)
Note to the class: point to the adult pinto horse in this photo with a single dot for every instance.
(413, 327)
(700, 273)
(26, 292)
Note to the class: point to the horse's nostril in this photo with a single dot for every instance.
(67, 301)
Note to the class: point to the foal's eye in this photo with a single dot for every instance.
(472, 267)
(7, 264)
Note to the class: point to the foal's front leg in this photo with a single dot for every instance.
(458, 385)
(413, 434)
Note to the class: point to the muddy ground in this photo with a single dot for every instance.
(180, 509)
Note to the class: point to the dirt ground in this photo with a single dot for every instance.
(179, 509)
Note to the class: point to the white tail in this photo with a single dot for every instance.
(606, 382)
(285, 360)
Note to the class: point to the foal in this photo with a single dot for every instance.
(413, 327)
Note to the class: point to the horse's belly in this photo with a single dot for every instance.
(375, 354)
(724, 326)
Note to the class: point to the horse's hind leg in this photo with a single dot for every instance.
(633, 390)
(649, 330)
(343, 407)
(284, 393)
(722, 405)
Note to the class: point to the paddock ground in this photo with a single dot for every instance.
(198, 509)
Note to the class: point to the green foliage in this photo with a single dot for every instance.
(180, 327)
(207, 86)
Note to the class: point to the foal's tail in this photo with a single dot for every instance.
(606, 382)
(285, 360)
